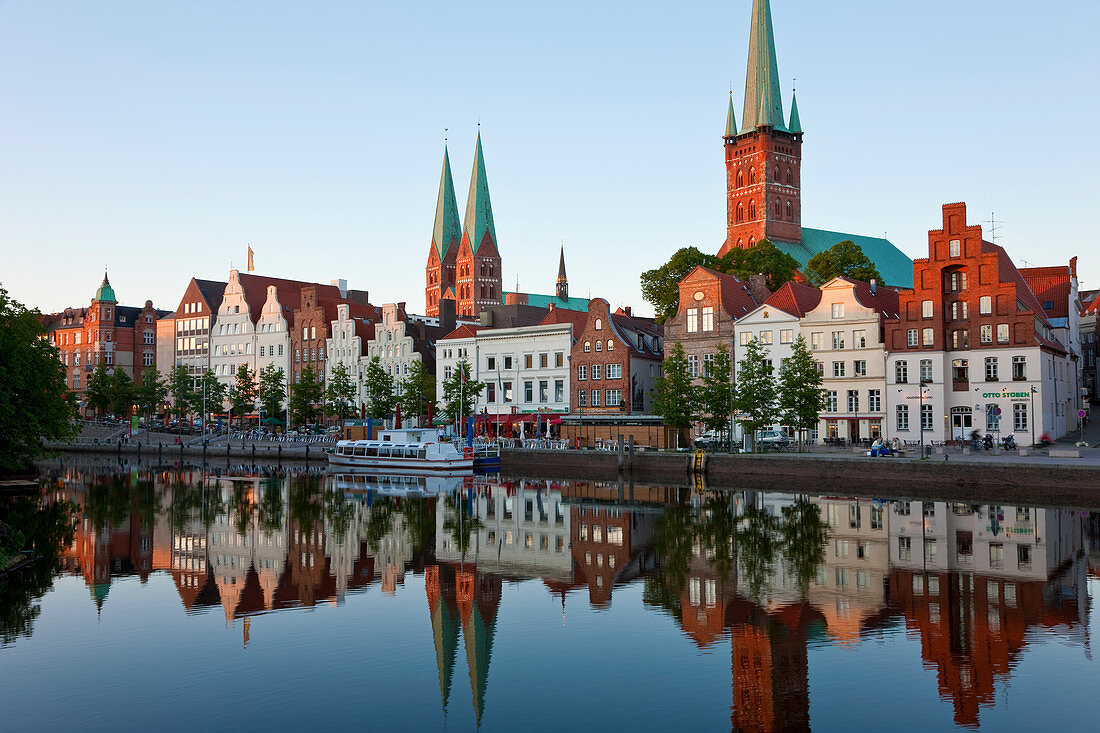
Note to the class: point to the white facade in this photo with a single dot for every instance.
(239, 336)
(845, 337)
(393, 346)
(963, 391)
(345, 346)
(775, 329)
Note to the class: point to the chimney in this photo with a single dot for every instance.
(627, 311)
(401, 306)
(446, 315)
(362, 297)
(341, 284)
(874, 286)
(758, 287)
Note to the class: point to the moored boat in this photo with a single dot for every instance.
(412, 449)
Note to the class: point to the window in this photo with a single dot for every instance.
(544, 390)
(838, 339)
(992, 419)
(960, 370)
(147, 359)
(838, 310)
(1019, 416)
(986, 334)
(838, 369)
(985, 305)
(1023, 559)
(615, 371)
(996, 555)
(902, 417)
(905, 548)
(529, 359)
(901, 372)
(599, 345)
(610, 347)
(559, 357)
(587, 348)
(148, 338)
(928, 336)
(1019, 368)
(595, 398)
(544, 359)
(491, 363)
(528, 392)
(955, 247)
(925, 371)
(490, 392)
(859, 339)
(596, 371)
(816, 340)
(830, 401)
(746, 337)
(991, 369)
(707, 324)
(692, 320)
(693, 366)
(582, 398)
(1002, 333)
(911, 336)
(582, 372)
(280, 349)
(261, 350)
(859, 368)
(926, 417)
(559, 391)
(786, 336)
(599, 324)
(926, 309)
(853, 400)
(930, 548)
(506, 388)
(708, 364)
(766, 338)
(614, 397)
(874, 400)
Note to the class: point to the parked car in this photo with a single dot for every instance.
(772, 439)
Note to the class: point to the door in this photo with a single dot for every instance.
(961, 425)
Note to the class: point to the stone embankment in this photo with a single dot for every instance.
(252, 452)
(1037, 482)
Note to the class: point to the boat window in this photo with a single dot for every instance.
(359, 451)
(421, 453)
(385, 437)
(410, 452)
(383, 451)
(372, 451)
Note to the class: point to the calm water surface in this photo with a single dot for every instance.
(181, 599)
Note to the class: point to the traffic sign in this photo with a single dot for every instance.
(1081, 413)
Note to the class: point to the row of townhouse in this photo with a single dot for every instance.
(971, 347)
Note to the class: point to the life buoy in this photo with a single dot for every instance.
(468, 452)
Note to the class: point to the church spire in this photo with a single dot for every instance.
(731, 120)
(796, 124)
(763, 98)
(447, 231)
(479, 210)
(563, 281)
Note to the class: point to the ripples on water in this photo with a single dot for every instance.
(179, 599)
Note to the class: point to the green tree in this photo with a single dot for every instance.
(215, 394)
(122, 392)
(341, 394)
(418, 392)
(151, 392)
(182, 389)
(716, 392)
(755, 395)
(34, 406)
(305, 395)
(661, 285)
(272, 390)
(843, 259)
(243, 397)
(674, 396)
(380, 397)
(801, 398)
(803, 536)
(777, 266)
(460, 393)
(97, 391)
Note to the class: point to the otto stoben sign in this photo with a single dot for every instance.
(1005, 394)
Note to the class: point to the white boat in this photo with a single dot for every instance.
(412, 449)
(357, 485)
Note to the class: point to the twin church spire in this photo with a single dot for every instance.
(448, 231)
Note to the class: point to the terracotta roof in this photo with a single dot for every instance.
(565, 315)
(365, 331)
(288, 291)
(795, 298)
(1090, 303)
(464, 331)
(736, 298)
(883, 300)
(645, 326)
(1009, 274)
(1050, 285)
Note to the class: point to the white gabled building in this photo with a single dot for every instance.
(347, 345)
(845, 333)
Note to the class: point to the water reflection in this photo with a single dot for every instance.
(773, 575)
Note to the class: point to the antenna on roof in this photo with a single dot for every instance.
(994, 224)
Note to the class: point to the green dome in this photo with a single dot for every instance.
(106, 293)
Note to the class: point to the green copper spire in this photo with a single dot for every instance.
(479, 210)
(105, 293)
(731, 120)
(796, 124)
(763, 99)
(447, 231)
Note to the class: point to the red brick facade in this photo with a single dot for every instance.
(763, 188)
(632, 348)
(477, 278)
(440, 277)
(312, 322)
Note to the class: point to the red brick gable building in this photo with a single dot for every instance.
(312, 323)
(615, 359)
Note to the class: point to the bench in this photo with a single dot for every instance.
(1065, 453)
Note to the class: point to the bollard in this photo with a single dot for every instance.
(253, 454)
(160, 452)
(307, 452)
(630, 459)
(280, 455)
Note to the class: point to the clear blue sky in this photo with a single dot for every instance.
(161, 138)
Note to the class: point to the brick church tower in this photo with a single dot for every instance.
(446, 236)
(477, 278)
(764, 155)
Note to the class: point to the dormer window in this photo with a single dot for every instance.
(599, 324)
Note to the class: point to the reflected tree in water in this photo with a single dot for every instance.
(379, 521)
(804, 538)
(305, 502)
(674, 535)
(242, 506)
(459, 522)
(107, 501)
(191, 502)
(418, 516)
(338, 514)
(45, 529)
(757, 546)
(272, 507)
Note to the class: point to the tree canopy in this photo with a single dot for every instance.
(245, 390)
(765, 258)
(843, 259)
(674, 396)
(272, 390)
(341, 393)
(33, 403)
(716, 392)
(381, 400)
(97, 391)
(755, 395)
(418, 392)
(305, 395)
(460, 393)
(151, 391)
(801, 397)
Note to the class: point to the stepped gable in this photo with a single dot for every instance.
(288, 291)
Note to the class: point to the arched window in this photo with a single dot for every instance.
(740, 179)
(777, 206)
(587, 346)
(752, 176)
(790, 178)
(599, 346)
(599, 324)
(740, 242)
(752, 211)
(610, 345)
(777, 174)
(752, 241)
(790, 210)
(740, 212)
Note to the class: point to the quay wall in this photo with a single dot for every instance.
(985, 482)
